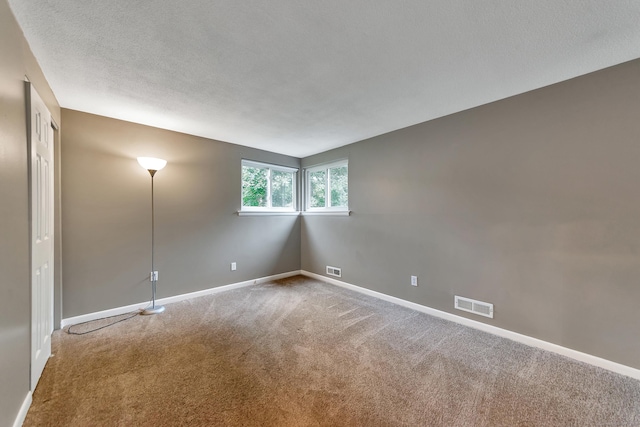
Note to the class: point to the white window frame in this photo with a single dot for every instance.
(270, 209)
(327, 187)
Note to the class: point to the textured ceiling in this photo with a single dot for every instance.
(301, 77)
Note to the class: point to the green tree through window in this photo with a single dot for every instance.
(254, 186)
(317, 183)
(339, 186)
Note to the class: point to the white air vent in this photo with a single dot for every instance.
(473, 306)
(334, 271)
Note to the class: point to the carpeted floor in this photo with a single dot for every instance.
(299, 352)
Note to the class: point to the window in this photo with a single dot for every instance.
(328, 187)
(268, 187)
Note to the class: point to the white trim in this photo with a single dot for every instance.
(140, 306)
(326, 213)
(254, 164)
(504, 333)
(332, 164)
(267, 213)
(514, 336)
(22, 414)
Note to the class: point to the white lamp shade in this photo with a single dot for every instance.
(152, 163)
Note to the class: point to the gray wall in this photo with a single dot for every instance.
(531, 203)
(107, 215)
(16, 61)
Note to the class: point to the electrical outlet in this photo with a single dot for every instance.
(414, 280)
(153, 276)
(233, 266)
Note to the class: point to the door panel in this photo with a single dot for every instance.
(41, 148)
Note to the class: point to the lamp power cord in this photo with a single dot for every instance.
(131, 314)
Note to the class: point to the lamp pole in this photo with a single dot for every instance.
(152, 165)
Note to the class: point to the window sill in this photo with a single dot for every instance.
(326, 213)
(268, 213)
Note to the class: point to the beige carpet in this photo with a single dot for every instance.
(299, 352)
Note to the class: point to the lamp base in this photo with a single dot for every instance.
(155, 310)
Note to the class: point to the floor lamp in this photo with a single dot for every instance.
(153, 165)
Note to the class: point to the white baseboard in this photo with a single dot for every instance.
(22, 414)
(133, 307)
(505, 333)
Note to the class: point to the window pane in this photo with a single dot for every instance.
(254, 186)
(281, 189)
(317, 189)
(339, 186)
